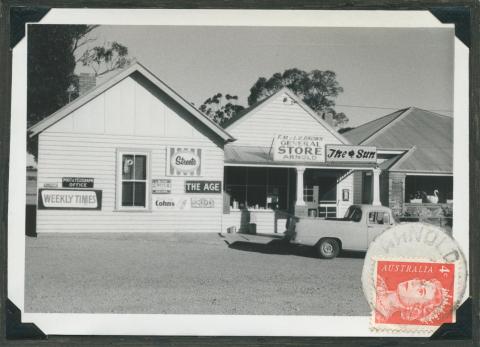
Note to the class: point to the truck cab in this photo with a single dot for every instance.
(355, 231)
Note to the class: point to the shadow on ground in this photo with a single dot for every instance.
(286, 248)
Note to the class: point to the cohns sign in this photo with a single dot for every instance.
(172, 202)
(69, 199)
(184, 161)
(351, 154)
(299, 148)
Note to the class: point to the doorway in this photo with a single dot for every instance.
(320, 192)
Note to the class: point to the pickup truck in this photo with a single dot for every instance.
(360, 225)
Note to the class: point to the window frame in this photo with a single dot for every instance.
(120, 152)
(375, 222)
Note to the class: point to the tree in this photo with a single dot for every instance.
(316, 88)
(53, 52)
(51, 65)
(50, 69)
(103, 59)
(220, 108)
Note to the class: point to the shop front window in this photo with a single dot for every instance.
(256, 187)
(133, 177)
(428, 189)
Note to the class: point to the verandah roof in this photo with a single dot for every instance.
(258, 156)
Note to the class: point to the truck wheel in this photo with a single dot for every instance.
(328, 248)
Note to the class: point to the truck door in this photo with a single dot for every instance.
(377, 222)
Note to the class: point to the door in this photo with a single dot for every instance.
(377, 222)
(327, 197)
(310, 196)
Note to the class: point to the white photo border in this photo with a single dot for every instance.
(216, 325)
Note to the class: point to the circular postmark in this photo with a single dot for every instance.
(414, 277)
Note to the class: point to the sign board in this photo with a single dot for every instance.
(161, 186)
(351, 154)
(299, 148)
(170, 202)
(203, 187)
(69, 199)
(77, 182)
(184, 161)
(203, 203)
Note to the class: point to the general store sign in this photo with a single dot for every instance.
(161, 186)
(203, 187)
(306, 148)
(184, 161)
(351, 154)
(171, 202)
(77, 182)
(69, 199)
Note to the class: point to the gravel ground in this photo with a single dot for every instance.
(187, 273)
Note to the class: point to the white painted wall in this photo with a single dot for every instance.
(84, 144)
(277, 116)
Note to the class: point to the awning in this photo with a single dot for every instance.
(262, 156)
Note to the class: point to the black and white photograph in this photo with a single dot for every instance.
(231, 170)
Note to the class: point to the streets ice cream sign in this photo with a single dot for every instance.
(309, 148)
(69, 199)
(184, 161)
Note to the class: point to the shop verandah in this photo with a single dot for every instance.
(262, 192)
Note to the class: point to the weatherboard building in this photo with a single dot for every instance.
(132, 155)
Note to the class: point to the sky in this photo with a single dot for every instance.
(381, 70)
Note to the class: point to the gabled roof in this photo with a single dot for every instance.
(364, 131)
(263, 103)
(107, 84)
(246, 110)
(429, 136)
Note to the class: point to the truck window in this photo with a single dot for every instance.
(378, 218)
(354, 213)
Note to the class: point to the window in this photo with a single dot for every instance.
(308, 193)
(132, 189)
(354, 213)
(428, 189)
(378, 218)
(254, 186)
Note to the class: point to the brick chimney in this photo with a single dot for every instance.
(86, 81)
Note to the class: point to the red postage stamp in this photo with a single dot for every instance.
(411, 293)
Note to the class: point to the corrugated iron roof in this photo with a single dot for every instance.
(430, 133)
(364, 131)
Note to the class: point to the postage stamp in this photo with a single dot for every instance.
(414, 278)
(413, 293)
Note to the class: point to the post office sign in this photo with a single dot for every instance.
(69, 199)
(77, 182)
(350, 154)
(203, 187)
